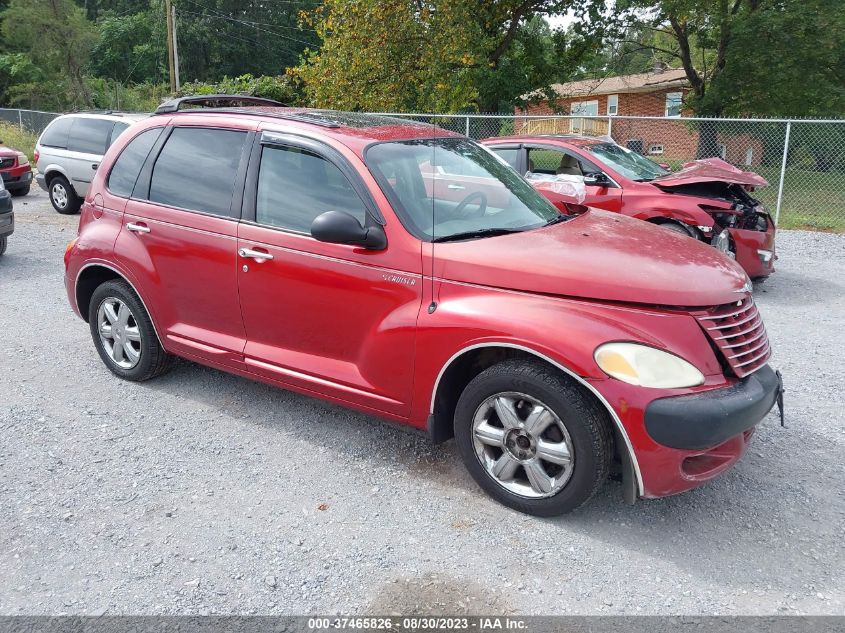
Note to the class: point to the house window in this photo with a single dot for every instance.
(674, 100)
(749, 156)
(655, 149)
(584, 108)
(612, 105)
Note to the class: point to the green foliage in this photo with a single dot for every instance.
(130, 47)
(22, 140)
(53, 40)
(441, 56)
(281, 88)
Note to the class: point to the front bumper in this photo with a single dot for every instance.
(16, 177)
(748, 244)
(684, 438)
(709, 418)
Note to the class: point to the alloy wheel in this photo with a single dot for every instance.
(59, 194)
(523, 445)
(119, 333)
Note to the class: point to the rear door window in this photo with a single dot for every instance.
(89, 136)
(128, 165)
(295, 186)
(196, 169)
(116, 131)
(56, 133)
(509, 154)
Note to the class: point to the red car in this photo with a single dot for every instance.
(15, 170)
(709, 199)
(308, 249)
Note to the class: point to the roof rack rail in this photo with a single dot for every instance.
(214, 101)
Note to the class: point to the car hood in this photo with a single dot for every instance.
(598, 255)
(710, 170)
(6, 152)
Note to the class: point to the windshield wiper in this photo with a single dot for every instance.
(468, 235)
(558, 219)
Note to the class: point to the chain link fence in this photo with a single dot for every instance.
(31, 120)
(803, 160)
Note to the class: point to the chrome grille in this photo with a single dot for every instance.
(738, 332)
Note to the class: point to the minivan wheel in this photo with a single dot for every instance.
(63, 197)
(532, 439)
(123, 333)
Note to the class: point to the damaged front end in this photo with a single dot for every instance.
(742, 228)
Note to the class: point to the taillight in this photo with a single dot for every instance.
(35, 155)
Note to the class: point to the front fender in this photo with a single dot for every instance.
(566, 331)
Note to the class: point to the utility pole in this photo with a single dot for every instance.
(175, 48)
(168, 10)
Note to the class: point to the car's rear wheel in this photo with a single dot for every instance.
(3, 243)
(532, 438)
(62, 196)
(123, 333)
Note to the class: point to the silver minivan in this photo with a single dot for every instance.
(69, 152)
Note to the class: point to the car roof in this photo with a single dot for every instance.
(107, 115)
(351, 128)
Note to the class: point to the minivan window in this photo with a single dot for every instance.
(56, 133)
(196, 169)
(295, 186)
(118, 129)
(126, 168)
(89, 136)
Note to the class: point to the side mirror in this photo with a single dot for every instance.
(596, 179)
(338, 227)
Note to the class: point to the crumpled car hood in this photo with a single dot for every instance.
(710, 170)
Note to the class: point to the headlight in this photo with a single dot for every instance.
(646, 366)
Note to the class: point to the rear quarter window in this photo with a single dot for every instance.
(56, 134)
(128, 165)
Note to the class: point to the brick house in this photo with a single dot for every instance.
(658, 93)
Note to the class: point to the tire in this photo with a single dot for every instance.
(62, 196)
(578, 424)
(676, 227)
(22, 191)
(3, 243)
(133, 328)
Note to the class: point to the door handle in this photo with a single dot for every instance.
(137, 228)
(256, 255)
(455, 187)
(94, 166)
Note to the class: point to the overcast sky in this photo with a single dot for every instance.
(561, 21)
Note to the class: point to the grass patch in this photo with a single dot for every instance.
(16, 138)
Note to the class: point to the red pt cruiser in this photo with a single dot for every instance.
(709, 200)
(319, 252)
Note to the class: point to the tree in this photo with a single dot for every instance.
(437, 56)
(56, 37)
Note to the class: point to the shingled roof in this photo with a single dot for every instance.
(642, 82)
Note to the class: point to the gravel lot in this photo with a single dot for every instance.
(201, 492)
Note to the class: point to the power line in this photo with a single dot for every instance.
(223, 16)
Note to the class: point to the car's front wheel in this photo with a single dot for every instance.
(124, 334)
(22, 191)
(3, 243)
(532, 438)
(63, 197)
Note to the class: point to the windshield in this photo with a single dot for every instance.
(625, 162)
(453, 188)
